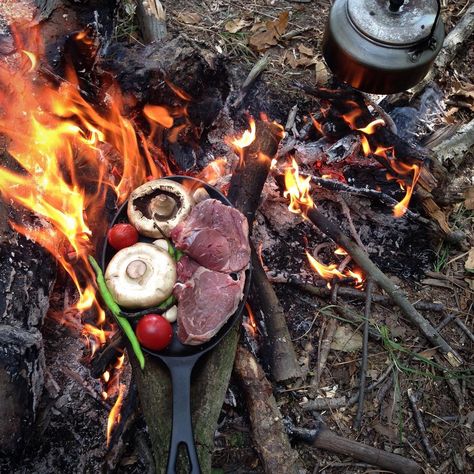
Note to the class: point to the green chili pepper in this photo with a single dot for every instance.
(115, 310)
(178, 254)
(170, 301)
(171, 249)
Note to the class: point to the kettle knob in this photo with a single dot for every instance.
(395, 5)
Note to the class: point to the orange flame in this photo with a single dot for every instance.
(251, 325)
(114, 415)
(370, 129)
(328, 272)
(247, 138)
(297, 189)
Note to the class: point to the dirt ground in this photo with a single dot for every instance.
(402, 361)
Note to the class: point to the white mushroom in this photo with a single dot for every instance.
(171, 314)
(161, 243)
(141, 276)
(158, 205)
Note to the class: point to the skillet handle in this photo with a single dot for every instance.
(182, 429)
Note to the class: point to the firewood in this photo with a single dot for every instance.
(456, 38)
(456, 148)
(208, 388)
(268, 432)
(245, 189)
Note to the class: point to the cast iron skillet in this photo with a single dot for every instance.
(180, 359)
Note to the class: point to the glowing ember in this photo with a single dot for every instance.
(340, 251)
(297, 189)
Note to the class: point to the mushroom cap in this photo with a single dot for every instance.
(140, 276)
(142, 199)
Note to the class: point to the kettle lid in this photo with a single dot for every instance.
(410, 24)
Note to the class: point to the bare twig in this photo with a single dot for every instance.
(371, 270)
(421, 426)
(363, 364)
(360, 295)
(258, 68)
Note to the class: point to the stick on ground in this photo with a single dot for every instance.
(363, 364)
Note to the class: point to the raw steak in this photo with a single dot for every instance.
(216, 236)
(206, 300)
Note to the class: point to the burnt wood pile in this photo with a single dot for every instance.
(354, 204)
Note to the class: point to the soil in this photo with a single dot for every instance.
(425, 268)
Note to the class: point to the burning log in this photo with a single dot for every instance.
(268, 431)
(26, 278)
(245, 189)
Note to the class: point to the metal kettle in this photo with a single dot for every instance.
(383, 46)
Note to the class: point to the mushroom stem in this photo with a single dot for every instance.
(136, 269)
(162, 206)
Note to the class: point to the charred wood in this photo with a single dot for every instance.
(108, 355)
(268, 433)
(26, 279)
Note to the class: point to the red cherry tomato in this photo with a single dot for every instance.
(154, 332)
(122, 235)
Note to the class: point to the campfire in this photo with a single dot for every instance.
(127, 166)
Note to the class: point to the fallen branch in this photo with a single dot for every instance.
(270, 439)
(324, 438)
(363, 364)
(323, 403)
(372, 271)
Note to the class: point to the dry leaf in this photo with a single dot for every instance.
(321, 73)
(233, 26)
(346, 340)
(189, 18)
(305, 50)
(469, 198)
(270, 34)
(469, 264)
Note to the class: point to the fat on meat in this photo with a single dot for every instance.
(206, 300)
(215, 236)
